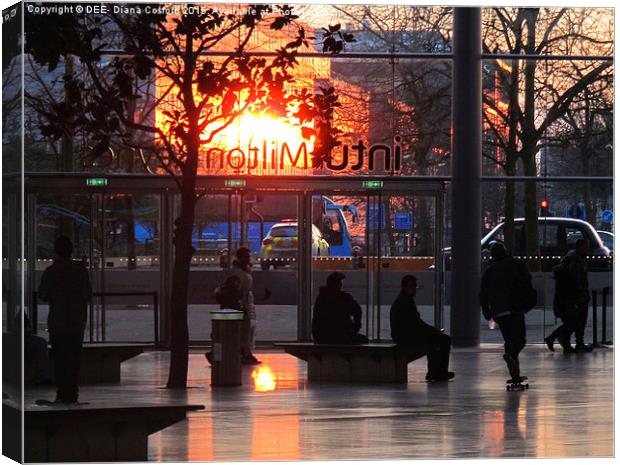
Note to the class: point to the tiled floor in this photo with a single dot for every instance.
(567, 412)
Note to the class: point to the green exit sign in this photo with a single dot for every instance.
(234, 183)
(372, 184)
(96, 182)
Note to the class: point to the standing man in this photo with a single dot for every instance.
(408, 328)
(242, 269)
(337, 317)
(506, 294)
(572, 295)
(66, 286)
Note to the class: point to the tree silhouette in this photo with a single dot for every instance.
(211, 90)
(538, 93)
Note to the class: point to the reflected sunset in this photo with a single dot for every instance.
(264, 379)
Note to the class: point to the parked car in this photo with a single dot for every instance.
(556, 236)
(281, 244)
(607, 238)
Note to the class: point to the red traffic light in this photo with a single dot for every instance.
(544, 203)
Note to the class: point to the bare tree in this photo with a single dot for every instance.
(538, 93)
(211, 93)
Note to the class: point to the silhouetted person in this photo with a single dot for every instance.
(66, 286)
(337, 317)
(503, 296)
(228, 295)
(571, 298)
(242, 269)
(408, 329)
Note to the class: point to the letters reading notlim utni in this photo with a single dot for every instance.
(271, 155)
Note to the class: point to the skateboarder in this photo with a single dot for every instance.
(506, 294)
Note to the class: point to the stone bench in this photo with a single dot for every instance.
(364, 363)
(101, 362)
(87, 433)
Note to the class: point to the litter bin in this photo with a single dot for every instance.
(226, 353)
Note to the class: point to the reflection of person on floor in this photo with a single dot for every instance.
(514, 433)
(337, 317)
(66, 286)
(408, 329)
(502, 291)
(570, 302)
(242, 269)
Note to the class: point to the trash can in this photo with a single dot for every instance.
(226, 352)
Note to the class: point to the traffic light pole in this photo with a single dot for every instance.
(466, 177)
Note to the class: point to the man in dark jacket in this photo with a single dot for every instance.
(501, 297)
(409, 329)
(66, 286)
(337, 317)
(570, 301)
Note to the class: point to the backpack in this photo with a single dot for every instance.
(527, 297)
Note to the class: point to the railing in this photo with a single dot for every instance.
(604, 342)
(154, 294)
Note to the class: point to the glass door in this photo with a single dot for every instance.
(74, 216)
(405, 231)
(342, 242)
(266, 223)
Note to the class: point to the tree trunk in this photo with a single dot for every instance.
(66, 225)
(509, 207)
(179, 334)
(588, 204)
(389, 232)
(422, 223)
(531, 212)
(130, 226)
(529, 142)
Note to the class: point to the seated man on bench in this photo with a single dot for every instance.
(409, 329)
(337, 317)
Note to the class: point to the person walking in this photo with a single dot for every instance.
(571, 299)
(408, 329)
(337, 317)
(242, 269)
(66, 286)
(506, 294)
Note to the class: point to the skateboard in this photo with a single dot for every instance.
(517, 384)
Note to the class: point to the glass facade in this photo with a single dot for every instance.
(546, 123)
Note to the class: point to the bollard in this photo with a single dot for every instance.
(226, 352)
(595, 343)
(604, 304)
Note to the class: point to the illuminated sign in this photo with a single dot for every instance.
(372, 184)
(96, 182)
(273, 156)
(234, 183)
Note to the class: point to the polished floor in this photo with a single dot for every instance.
(276, 415)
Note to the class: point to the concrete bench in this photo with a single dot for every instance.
(101, 362)
(364, 363)
(88, 433)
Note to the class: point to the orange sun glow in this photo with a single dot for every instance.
(264, 379)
